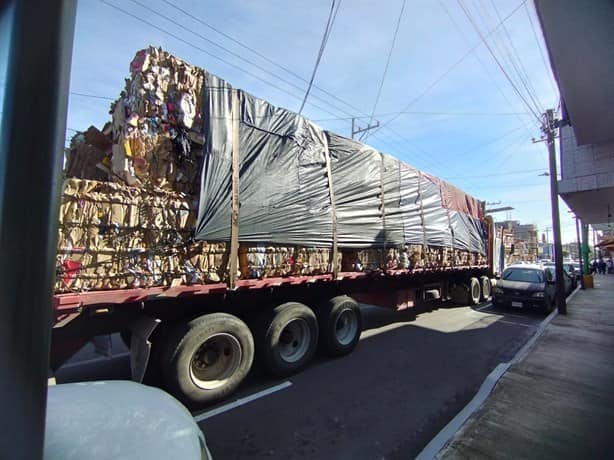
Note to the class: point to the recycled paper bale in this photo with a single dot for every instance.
(148, 199)
(88, 156)
(157, 127)
(114, 236)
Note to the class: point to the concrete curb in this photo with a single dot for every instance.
(443, 438)
(448, 432)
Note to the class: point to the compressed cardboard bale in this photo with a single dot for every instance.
(157, 123)
(136, 238)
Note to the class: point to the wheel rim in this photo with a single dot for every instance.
(215, 361)
(294, 340)
(346, 327)
(486, 289)
(475, 291)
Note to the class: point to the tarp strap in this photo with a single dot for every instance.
(421, 210)
(234, 200)
(329, 174)
(450, 228)
(383, 208)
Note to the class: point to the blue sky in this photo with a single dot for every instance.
(467, 124)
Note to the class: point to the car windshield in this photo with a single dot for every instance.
(525, 275)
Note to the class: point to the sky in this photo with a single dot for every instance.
(462, 119)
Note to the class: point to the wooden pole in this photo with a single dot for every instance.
(234, 200)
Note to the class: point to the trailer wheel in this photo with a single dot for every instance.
(340, 324)
(485, 284)
(287, 338)
(474, 291)
(207, 358)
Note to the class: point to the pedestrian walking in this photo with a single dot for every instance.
(610, 266)
(602, 266)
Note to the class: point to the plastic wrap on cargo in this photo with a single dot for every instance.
(284, 191)
(360, 176)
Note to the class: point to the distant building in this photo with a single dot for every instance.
(524, 238)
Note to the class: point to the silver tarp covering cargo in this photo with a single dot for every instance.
(286, 166)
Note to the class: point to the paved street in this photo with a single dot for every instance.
(407, 378)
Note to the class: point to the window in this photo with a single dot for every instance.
(524, 275)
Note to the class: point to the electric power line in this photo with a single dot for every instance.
(521, 70)
(225, 61)
(488, 74)
(541, 52)
(262, 56)
(381, 84)
(327, 30)
(507, 57)
(221, 59)
(509, 173)
(450, 69)
(450, 114)
(232, 53)
(483, 38)
(93, 96)
(491, 141)
(511, 186)
(279, 66)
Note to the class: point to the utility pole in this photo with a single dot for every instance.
(547, 230)
(357, 129)
(548, 127)
(580, 258)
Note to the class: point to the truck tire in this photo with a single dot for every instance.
(205, 359)
(286, 338)
(340, 323)
(473, 297)
(485, 285)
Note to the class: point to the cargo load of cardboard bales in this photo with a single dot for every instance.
(146, 201)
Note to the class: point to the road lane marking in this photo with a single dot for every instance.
(514, 323)
(241, 401)
(488, 305)
(504, 313)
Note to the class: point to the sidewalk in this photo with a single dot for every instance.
(558, 402)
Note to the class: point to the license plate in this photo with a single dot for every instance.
(517, 304)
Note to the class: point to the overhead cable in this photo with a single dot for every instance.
(327, 30)
(225, 61)
(520, 69)
(450, 69)
(381, 84)
(488, 74)
(483, 38)
(260, 55)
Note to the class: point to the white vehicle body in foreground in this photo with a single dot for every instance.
(119, 420)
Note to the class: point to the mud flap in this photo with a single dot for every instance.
(140, 346)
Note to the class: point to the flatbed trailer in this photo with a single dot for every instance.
(155, 320)
(269, 179)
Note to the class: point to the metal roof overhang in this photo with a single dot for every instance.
(580, 39)
(591, 206)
